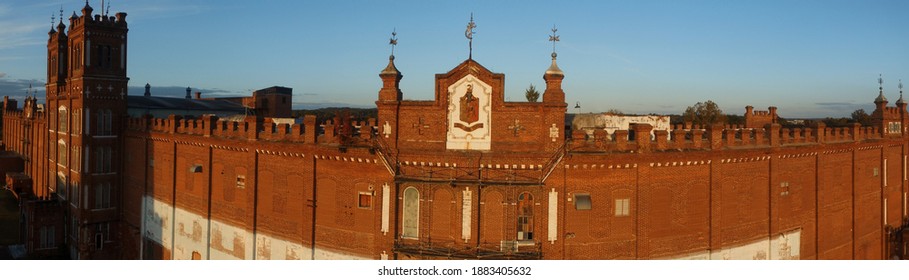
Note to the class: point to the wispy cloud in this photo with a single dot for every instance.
(15, 34)
(16, 88)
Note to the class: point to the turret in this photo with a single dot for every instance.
(880, 102)
(391, 77)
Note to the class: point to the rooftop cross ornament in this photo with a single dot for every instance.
(554, 38)
(469, 34)
(393, 41)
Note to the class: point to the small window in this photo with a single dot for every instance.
(241, 181)
(582, 201)
(622, 207)
(196, 168)
(365, 200)
(876, 172)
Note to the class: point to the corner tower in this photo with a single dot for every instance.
(84, 118)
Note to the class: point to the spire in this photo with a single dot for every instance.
(147, 90)
(391, 69)
(61, 26)
(53, 19)
(469, 34)
(901, 101)
(87, 10)
(554, 68)
(391, 77)
(880, 97)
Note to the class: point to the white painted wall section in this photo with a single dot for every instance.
(184, 232)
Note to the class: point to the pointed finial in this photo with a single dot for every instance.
(469, 34)
(554, 38)
(880, 81)
(393, 41)
(107, 11)
(880, 96)
(901, 86)
(61, 13)
(53, 20)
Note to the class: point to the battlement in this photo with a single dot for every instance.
(716, 137)
(892, 110)
(350, 132)
(87, 18)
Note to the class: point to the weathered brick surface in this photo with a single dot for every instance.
(793, 193)
(835, 205)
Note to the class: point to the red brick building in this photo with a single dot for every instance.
(465, 175)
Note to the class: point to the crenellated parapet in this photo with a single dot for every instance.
(716, 137)
(345, 133)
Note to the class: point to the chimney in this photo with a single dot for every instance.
(188, 90)
(198, 95)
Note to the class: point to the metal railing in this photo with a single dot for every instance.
(505, 250)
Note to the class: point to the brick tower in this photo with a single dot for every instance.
(86, 97)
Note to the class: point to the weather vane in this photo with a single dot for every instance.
(880, 81)
(554, 38)
(469, 34)
(901, 86)
(393, 41)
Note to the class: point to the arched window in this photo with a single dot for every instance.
(63, 120)
(525, 216)
(411, 213)
(61, 185)
(77, 121)
(61, 152)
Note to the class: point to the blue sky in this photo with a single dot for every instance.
(809, 58)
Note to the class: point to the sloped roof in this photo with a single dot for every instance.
(173, 103)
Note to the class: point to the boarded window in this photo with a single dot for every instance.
(525, 216)
(411, 212)
(582, 201)
(622, 207)
(364, 200)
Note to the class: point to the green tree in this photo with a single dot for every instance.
(532, 94)
(704, 113)
(861, 117)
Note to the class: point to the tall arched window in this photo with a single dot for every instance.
(411, 213)
(63, 120)
(525, 216)
(61, 152)
(61, 185)
(77, 121)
